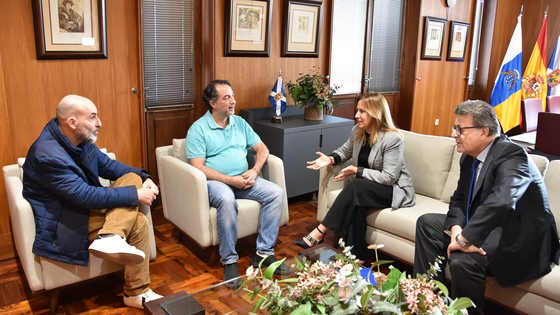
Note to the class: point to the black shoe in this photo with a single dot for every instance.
(303, 244)
(280, 270)
(231, 276)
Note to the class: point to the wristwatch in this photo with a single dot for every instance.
(462, 243)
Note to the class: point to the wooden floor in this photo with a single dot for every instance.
(175, 269)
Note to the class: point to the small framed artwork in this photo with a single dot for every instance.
(457, 41)
(70, 29)
(432, 41)
(248, 24)
(301, 28)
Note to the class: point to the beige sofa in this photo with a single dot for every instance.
(433, 163)
(43, 273)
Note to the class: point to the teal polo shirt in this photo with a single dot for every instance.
(225, 149)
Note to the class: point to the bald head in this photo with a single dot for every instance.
(77, 118)
(72, 105)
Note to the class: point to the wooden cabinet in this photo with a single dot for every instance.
(296, 140)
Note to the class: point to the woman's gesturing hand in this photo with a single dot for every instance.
(322, 161)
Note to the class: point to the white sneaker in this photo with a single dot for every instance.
(139, 300)
(116, 249)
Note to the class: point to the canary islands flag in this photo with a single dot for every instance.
(277, 96)
(534, 78)
(506, 94)
(553, 71)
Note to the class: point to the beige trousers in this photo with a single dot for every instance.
(132, 226)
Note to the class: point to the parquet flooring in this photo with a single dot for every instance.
(175, 269)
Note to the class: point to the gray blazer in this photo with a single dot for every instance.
(386, 165)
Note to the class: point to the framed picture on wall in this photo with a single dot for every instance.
(432, 41)
(457, 41)
(247, 32)
(70, 29)
(301, 28)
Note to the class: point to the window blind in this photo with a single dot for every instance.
(168, 46)
(347, 44)
(385, 51)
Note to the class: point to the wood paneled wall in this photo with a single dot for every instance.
(252, 78)
(31, 89)
(432, 88)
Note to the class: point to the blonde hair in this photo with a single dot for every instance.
(377, 107)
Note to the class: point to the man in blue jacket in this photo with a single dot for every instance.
(72, 209)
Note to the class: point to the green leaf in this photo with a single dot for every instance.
(380, 262)
(441, 287)
(330, 300)
(459, 304)
(303, 309)
(383, 306)
(258, 304)
(269, 272)
(392, 279)
(364, 300)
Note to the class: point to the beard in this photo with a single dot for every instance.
(87, 136)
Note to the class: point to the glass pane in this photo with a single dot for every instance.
(385, 51)
(168, 45)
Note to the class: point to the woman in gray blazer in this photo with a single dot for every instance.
(381, 179)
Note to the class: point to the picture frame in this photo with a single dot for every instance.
(70, 29)
(432, 39)
(458, 35)
(301, 26)
(247, 28)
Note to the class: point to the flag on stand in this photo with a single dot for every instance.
(534, 78)
(277, 96)
(553, 71)
(506, 94)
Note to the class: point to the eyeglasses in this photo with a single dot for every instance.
(459, 130)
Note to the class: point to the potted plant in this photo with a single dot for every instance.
(341, 286)
(313, 92)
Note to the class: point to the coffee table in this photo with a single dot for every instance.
(218, 298)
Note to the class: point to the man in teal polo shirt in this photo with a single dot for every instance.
(217, 144)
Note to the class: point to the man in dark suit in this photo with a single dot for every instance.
(502, 226)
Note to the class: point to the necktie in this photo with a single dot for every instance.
(474, 168)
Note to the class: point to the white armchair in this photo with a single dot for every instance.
(43, 273)
(184, 195)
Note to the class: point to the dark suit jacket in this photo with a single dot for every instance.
(510, 216)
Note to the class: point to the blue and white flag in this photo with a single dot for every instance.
(506, 94)
(553, 70)
(277, 96)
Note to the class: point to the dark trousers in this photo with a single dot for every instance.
(468, 270)
(347, 215)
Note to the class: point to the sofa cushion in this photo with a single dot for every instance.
(428, 159)
(552, 182)
(180, 149)
(402, 221)
(452, 178)
(547, 286)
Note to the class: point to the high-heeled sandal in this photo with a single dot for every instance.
(301, 241)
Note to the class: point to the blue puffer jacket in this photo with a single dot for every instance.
(61, 182)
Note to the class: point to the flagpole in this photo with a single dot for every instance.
(277, 91)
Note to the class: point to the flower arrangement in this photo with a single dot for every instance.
(313, 89)
(341, 286)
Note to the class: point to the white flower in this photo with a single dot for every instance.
(376, 246)
(346, 270)
(251, 272)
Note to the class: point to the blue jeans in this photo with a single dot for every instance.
(222, 197)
